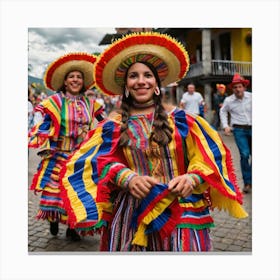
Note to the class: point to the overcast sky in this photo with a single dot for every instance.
(47, 44)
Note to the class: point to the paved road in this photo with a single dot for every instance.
(229, 235)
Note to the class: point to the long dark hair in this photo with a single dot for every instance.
(162, 132)
(63, 88)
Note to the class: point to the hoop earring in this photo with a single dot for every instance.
(157, 91)
(126, 93)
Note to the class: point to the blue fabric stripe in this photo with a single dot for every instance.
(205, 212)
(181, 123)
(80, 189)
(159, 222)
(192, 198)
(217, 154)
(155, 191)
(183, 128)
(47, 197)
(46, 124)
(48, 171)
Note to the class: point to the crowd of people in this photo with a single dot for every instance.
(120, 162)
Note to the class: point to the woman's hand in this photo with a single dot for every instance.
(181, 185)
(140, 186)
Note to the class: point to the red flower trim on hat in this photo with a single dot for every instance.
(137, 39)
(60, 61)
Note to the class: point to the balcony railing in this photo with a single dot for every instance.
(228, 67)
(222, 67)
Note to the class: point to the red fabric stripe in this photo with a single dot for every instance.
(198, 221)
(152, 205)
(36, 177)
(193, 209)
(201, 240)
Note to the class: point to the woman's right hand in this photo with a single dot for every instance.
(140, 186)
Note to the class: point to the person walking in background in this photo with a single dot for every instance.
(30, 109)
(192, 101)
(239, 106)
(62, 122)
(148, 176)
(218, 99)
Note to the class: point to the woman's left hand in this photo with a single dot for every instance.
(181, 185)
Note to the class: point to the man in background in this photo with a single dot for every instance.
(192, 100)
(239, 106)
(218, 99)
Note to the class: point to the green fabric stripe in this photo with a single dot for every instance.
(54, 104)
(63, 112)
(105, 171)
(208, 225)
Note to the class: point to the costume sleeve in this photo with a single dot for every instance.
(211, 160)
(41, 133)
(96, 169)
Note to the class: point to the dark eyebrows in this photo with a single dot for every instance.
(145, 73)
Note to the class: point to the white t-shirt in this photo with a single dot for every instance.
(192, 102)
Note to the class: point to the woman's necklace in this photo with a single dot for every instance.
(145, 105)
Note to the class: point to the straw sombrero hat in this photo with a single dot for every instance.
(56, 71)
(168, 56)
(237, 79)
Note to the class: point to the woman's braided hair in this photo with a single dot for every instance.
(162, 132)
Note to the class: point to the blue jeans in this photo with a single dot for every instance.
(243, 139)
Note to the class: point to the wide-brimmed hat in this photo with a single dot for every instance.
(56, 71)
(165, 53)
(237, 79)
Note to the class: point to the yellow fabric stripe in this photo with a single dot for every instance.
(42, 172)
(214, 135)
(90, 186)
(123, 177)
(129, 158)
(224, 203)
(198, 204)
(201, 165)
(76, 204)
(52, 190)
(140, 238)
(53, 108)
(96, 106)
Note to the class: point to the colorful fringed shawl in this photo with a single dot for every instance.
(100, 167)
(65, 124)
(61, 118)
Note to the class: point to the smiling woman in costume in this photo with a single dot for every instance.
(149, 176)
(62, 122)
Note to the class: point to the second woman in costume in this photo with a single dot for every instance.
(62, 122)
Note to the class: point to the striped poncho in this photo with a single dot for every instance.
(100, 168)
